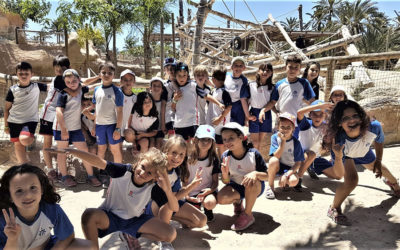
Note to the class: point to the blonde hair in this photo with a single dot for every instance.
(200, 69)
(178, 140)
(156, 159)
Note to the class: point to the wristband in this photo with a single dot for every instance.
(6, 127)
(226, 180)
(118, 130)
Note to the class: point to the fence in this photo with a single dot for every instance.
(39, 37)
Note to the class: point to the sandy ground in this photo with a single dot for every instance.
(293, 220)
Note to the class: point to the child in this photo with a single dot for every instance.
(311, 73)
(169, 90)
(290, 93)
(160, 98)
(201, 77)
(243, 171)
(129, 192)
(286, 155)
(215, 116)
(184, 102)
(87, 123)
(188, 215)
(48, 112)
(29, 224)
(21, 110)
(67, 126)
(259, 95)
(203, 158)
(338, 94)
(127, 79)
(353, 134)
(310, 137)
(108, 100)
(143, 122)
(236, 85)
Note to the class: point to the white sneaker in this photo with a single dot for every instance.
(165, 245)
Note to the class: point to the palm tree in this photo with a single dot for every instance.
(325, 11)
(291, 24)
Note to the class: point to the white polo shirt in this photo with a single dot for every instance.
(292, 152)
(207, 175)
(106, 100)
(259, 96)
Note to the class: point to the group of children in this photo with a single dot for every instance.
(173, 179)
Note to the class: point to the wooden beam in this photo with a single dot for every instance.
(289, 41)
(191, 38)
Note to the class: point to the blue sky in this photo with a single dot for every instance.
(261, 8)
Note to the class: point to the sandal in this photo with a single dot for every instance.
(395, 193)
(270, 194)
(338, 217)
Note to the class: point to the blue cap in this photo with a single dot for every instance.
(205, 131)
(71, 72)
(169, 61)
(316, 102)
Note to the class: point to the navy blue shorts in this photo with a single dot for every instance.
(320, 164)
(160, 198)
(74, 136)
(257, 126)
(366, 159)
(241, 189)
(17, 129)
(46, 127)
(237, 113)
(283, 169)
(186, 132)
(104, 134)
(169, 125)
(130, 226)
(160, 134)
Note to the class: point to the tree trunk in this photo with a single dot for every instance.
(198, 37)
(115, 61)
(147, 53)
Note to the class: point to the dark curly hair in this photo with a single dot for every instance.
(265, 66)
(334, 125)
(138, 106)
(49, 194)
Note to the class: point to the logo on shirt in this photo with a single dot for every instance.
(42, 231)
(260, 90)
(130, 193)
(295, 93)
(290, 150)
(239, 167)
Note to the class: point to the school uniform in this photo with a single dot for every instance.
(90, 125)
(359, 149)
(48, 111)
(129, 101)
(238, 168)
(237, 88)
(23, 116)
(202, 103)
(50, 217)
(72, 116)
(125, 202)
(144, 123)
(168, 91)
(164, 96)
(289, 96)
(310, 138)
(292, 153)
(107, 98)
(206, 176)
(186, 115)
(259, 97)
(214, 111)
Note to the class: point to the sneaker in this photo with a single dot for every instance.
(269, 193)
(94, 181)
(242, 222)
(80, 175)
(312, 173)
(68, 181)
(298, 187)
(131, 242)
(238, 207)
(165, 245)
(209, 214)
(395, 193)
(338, 217)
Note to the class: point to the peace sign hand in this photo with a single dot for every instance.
(197, 179)
(12, 230)
(225, 166)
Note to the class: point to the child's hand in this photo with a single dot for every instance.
(282, 136)
(164, 129)
(225, 166)
(221, 106)
(203, 194)
(378, 168)
(327, 105)
(116, 135)
(249, 179)
(64, 135)
(163, 181)
(12, 230)
(337, 149)
(284, 180)
(7, 130)
(177, 96)
(252, 118)
(57, 150)
(261, 116)
(93, 132)
(197, 179)
(192, 199)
